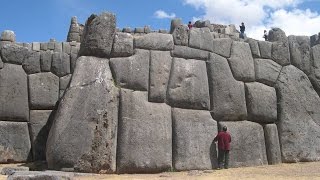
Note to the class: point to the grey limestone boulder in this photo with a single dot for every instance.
(1, 63)
(13, 93)
(189, 53)
(201, 38)
(89, 112)
(300, 52)
(193, 134)
(181, 35)
(261, 103)
(299, 116)
(98, 35)
(145, 135)
(160, 66)
(65, 81)
(60, 64)
(277, 34)
(43, 90)
(66, 47)
(227, 94)
(8, 35)
(315, 68)
(123, 45)
(267, 71)
(247, 144)
(241, 62)
(15, 143)
(154, 41)
(11, 170)
(57, 47)
(31, 63)
(45, 61)
(222, 46)
(132, 72)
(314, 39)
(188, 85)
(280, 53)
(73, 62)
(254, 46)
(39, 130)
(13, 53)
(43, 46)
(41, 175)
(272, 143)
(35, 46)
(265, 48)
(174, 24)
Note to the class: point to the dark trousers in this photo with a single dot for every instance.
(223, 158)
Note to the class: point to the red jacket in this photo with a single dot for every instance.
(224, 140)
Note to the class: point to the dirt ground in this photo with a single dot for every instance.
(299, 171)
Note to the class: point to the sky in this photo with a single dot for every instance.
(40, 20)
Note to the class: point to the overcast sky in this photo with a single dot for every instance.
(40, 20)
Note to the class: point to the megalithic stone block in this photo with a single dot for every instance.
(272, 143)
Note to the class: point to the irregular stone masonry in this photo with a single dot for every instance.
(172, 91)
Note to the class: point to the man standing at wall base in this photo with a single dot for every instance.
(224, 140)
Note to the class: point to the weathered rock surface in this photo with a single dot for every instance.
(261, 103)
(123, 45)
(193, 134)
(247, 144)
(31, 63)
(1, 63)
(300, 52)
(277, 34)
(299, 122)
(267, 71)
(8, 35)
(181, 35)
(11, 170)
(315, 68)
(160, 67)
(254, 47)
(154, 41)
(93, 122)
(41, 175)
(280, 53)
(189, 53)
(265, 48)
(98, 35)
(145, 135)
(174, 24)
(43, 90)
(13, 93)
(132, 72)
(64, 81)
(227, 95)
(13, 53)
(272, 143)
(201, 38)
(241, 62)
(45, 61)
(60, 64)
(188, 85)
(14, 142)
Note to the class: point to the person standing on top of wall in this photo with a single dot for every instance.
(189, 25)
(265, 35)
(242, 29)
(224, 140)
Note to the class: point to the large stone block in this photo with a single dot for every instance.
(254, 47)
(193, 134)
(154, 41)
(300, 52)
(189, 53)
(13, 93)
(15, 143)
(43, 90)
(267, 71)
(241, 62)
(1, 63)
(45, 61)
(60, 64)
(41, 175)
(84, 133)
(145, 135)
(261, 103)
(39, 130)
(8, 35)
(13, 53)
(98, 35)
(123, 45)
(265, 48)
(277, 34)
(31, 63)
(272, 143)
(181, 35)
(315, 68)
(188, 85)
(132, 72)
(160, 67)
(247, 144)
(299, 116)
(64, 82)
(201, 38)
(280, 53)
(227, 94)
(174, 24)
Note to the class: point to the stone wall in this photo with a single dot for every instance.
(143, 102)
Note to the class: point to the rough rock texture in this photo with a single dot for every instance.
(98, 35)
(123, 45)
(154, 41)
(300, 52)
(261, 102)
(254, 47)
(188, 85)
(41, 175)
(1, 63)
(8, 35)
(267, 71)
(132, 72)
(64, 81)
(272, 143)
(181, 35)
(60, 64)
(13, 93)
(45, 61)
(160, 66)
(145, 135)
(299, 116)
(174, 24)
(88, 111)
(277, 34)
(280, 53)
(315, 73)
(13, 53)
(265, 48)
(201, 38)
(31, 64)
(15, 143)
(227, 95)
(39, 130)
(193, 134)
(247, 144)
(189, 53)
(43, 90)
(241, 62)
